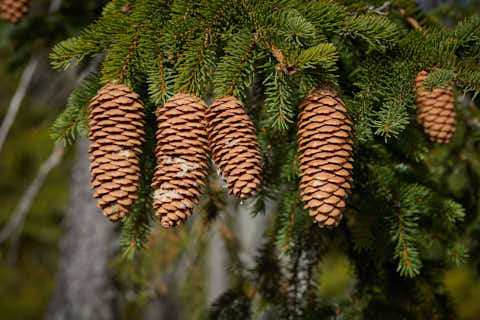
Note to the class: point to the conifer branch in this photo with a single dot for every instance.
(73, 121)
(279, 100)
(235, 71)
(405, 251)
(196, 65)
(270, 54)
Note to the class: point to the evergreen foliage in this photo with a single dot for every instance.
(73, 120)
(399, 211)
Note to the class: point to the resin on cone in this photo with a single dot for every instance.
(234, 145)
(116, 134)
(325, 154)
(436, 111)
(182, 152)
(14, 10)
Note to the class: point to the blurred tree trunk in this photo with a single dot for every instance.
(85, 288)
(251, 231)
(167, 306)
(217, 262)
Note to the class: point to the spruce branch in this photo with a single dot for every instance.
(378, 31)
(279, 100)
(118, 65)
(439, 78)
(236, 69)
(404, 236)
(328, 16)
(95, 38)
(323, 55)
(269, 54)
(391, 120)
(456, 252)
(160, 78)
(469, 81)
(73, 121)
(196, 65)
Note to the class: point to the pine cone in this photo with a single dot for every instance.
(116, 134)
(14, 10)
(325, 148)
(182, 154)
(436, 111)
(232, 140)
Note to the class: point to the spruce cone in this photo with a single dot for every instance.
(436, 111)
(182, 154)
(116, 134)
(232, 140)
(14, 10)
(325, 148)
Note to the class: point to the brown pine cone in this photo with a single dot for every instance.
(182, 153)
(325, 148)
(436, 111)
(116, 134)
(234, 145)
(14, 10)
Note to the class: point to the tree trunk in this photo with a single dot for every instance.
(217, 258)
(85, 288)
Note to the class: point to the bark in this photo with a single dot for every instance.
(85, 288)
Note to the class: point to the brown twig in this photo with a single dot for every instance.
(412, 21)
(287, 68)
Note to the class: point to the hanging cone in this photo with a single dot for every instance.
(182, 153)
(436, 111)
(14, 10)
(325, 148)
(232, 140)
(116, 135)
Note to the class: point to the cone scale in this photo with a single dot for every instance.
(436, 111)
(115, 121)
(325, 154)
(234, 146)
(14, 10)
(182, 153)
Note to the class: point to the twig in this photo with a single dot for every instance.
(17, 219)
(382, 10)
(412, 21)
(286, 68)
(18, 97)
